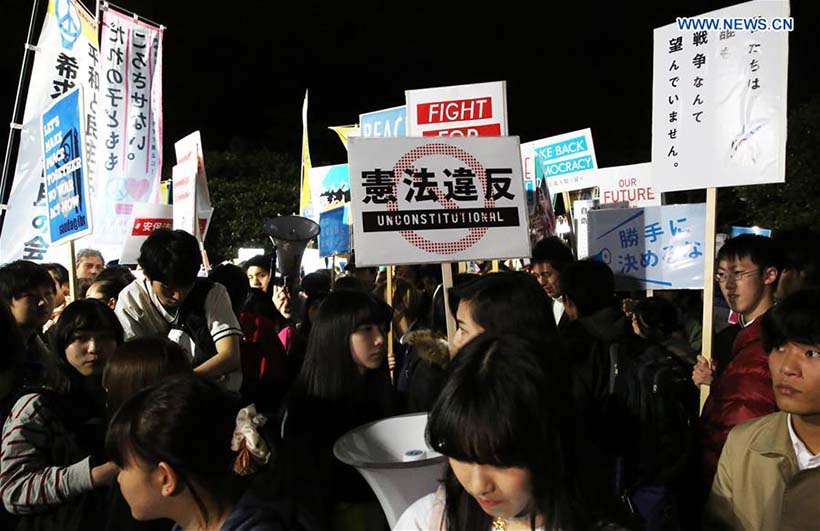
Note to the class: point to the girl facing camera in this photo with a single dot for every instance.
(184, 449)
(501, 420)
(53, 438)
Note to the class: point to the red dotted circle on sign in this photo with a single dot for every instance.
(475, 234)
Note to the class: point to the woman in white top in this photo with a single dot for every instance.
(502, 420)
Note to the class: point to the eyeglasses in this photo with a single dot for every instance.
(737, 276)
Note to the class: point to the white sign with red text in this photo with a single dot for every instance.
(631, 184)
(432, 200)
(148, 217)
(462, 110)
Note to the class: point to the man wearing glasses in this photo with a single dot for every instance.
(747, 272)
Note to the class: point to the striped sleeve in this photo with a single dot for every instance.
(222, 322)
(27, 483)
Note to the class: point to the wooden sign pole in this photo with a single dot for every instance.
(708, 282)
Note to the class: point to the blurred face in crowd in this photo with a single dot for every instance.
(89, 350)
(795, 369)
(466, 327)
(33, 308)
(146, 488)
(745, 286)
(258, 277)
(170, 296)
(790, 281)
(501, 492)
(548, 277)
(62, 291)
(89, 267)
(367, 346)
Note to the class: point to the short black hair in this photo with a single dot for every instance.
(801, 252)
(762, 251)
(262, 261)
(235, 282)
(120, 274)
(795, 319)
(20, 276)
(589, 284)
(171, 257)
(59, 272)
(553, 251)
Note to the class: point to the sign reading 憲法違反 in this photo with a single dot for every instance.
(431, 200)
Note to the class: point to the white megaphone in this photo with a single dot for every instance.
(290, 236)
(393, 457)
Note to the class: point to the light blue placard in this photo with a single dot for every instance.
(384, 123)
(334, 237)
(737, 231)
(653, 247)
(64, 168)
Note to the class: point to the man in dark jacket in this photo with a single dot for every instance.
(549, 257)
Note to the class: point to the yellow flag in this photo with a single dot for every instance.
(345, 131)
(305, 204)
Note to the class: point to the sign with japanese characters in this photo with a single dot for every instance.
(462, 110)
(564, 160)
(631, 184)
(330, 188)
(430, 200)
(719, 102)
(189, 153)
(64, 168)
(67, 57)
(130, 121)
(148, 217)
(651, 248)
(185, 194)
(386, 123)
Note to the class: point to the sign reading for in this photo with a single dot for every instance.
(435, 200)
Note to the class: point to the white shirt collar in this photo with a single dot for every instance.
(805, 459)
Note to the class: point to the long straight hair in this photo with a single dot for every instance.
(504, 406)
(329, 371)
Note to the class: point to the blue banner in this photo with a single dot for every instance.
(64, 169)
(384, 123)
(334, 237)
(652, 247)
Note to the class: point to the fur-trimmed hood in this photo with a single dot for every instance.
(429, 346)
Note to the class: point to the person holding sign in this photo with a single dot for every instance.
(171, 301)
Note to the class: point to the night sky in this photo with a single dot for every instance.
(237, 71)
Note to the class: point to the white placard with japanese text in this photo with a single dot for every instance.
(431, 200)
(651, 248)
(148, 217)
(462, 110)
(719, 101)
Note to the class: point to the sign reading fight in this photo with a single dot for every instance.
(464, 110)
(65, 177)
(564, 161)
(437, 200)
(631, 184)
(386, 123)
(651, 248)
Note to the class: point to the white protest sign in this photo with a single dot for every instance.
(462, 110)
(580, 214)
(431, 200)
(719, 100)
(185, 193)
(564, 161)
(632, 184)
(651, 248)
(148, 217)
(190, 147)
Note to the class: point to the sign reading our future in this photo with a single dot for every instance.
(64, 168)
(430, 200)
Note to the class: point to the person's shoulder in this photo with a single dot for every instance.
(424, 514)
(747, 431)
(255, 514)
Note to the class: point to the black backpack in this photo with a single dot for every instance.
(656, 389)
(192, 320)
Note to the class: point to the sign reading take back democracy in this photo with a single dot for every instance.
(431, 200)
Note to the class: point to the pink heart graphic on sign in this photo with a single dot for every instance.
(137, 188)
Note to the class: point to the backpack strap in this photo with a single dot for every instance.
(192, 320)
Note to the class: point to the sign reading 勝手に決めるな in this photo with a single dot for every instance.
(658, 247)
(64, 168)
(430, 200)
(719, 99)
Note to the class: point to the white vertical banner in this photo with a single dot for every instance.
(130, 123)
(185, 193)
(67, 56)
(719, 99)
(189, 151)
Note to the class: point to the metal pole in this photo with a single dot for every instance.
(16, 116)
